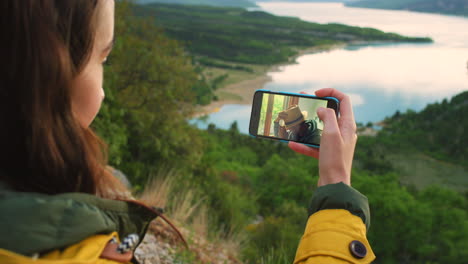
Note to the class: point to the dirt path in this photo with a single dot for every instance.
(243, 91)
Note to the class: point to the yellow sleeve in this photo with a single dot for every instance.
(87, 251)
(334, 236)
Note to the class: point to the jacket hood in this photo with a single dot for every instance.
(35, 223)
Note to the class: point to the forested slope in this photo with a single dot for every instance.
(453, 7)
(425, 148)
(232, 3)
(238, 35)
(440, 130)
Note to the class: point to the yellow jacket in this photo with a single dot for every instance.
(334, 236)
(87, 251)
(336, 229)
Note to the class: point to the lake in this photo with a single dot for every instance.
(380, 79)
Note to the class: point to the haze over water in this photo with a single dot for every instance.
(381, 79)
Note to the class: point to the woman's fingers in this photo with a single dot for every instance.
(331, 131)
(347, 122)
(303, 149)
(346, 110)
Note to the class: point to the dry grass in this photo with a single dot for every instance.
(231, 241)
(157, 190)
(200, 223)
(190, 213)
(185, 206)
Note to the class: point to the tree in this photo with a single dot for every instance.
(149, 96)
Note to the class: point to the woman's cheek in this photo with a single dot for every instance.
(87, 95)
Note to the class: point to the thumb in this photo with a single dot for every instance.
(328, 116)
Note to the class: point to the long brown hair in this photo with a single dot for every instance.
(43, 148)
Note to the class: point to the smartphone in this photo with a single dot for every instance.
(289, 116)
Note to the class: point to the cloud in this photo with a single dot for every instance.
(356, 99)
(415, 71)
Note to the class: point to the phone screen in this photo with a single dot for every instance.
(288, 117)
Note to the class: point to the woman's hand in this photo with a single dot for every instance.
(338, 141)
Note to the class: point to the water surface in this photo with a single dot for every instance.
(381, 79)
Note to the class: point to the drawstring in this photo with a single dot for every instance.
(158, 212)
(128, 244)
(175, 229)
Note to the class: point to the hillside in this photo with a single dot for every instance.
(237, 35)
(231, 3)
(439, 130)
(452, 7)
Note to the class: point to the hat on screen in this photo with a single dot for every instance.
(295, 116)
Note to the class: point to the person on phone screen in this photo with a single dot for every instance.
(292, 124)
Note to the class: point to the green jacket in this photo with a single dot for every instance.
(36, 223)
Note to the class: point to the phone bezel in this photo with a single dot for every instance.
(257, 105)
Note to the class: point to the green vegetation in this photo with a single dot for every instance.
(232, 3)
(222, 65)
(439, 130)
(421, 170)
(149, 86)
(407, 224)
(150, 92)
(452, 7)
(241, 36)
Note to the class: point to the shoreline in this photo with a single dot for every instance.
(245, 89)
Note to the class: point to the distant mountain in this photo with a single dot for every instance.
(231, 3)
(453, 7)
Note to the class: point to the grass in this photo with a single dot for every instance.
(188, 210)
(421, 171)
(227, 96)
(236, 76)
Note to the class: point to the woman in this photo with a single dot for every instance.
(58, 202)
(53, 173)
